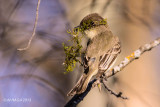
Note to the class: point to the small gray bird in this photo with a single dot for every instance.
(101, 52)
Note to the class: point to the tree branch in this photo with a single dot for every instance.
(135, 55)
(79, 97)
(119, 95)
(34, 28)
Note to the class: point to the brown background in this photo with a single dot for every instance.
(38, 72)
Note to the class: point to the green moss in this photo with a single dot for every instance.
(72, 52)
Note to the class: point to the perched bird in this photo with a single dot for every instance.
(101, 52)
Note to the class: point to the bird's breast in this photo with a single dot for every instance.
(100, 44)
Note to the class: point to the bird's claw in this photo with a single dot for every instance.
(98, 84)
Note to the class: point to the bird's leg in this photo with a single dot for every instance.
(97, 83)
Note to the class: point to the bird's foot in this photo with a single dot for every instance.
(98, 84)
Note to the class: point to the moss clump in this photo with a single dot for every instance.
(72, 52)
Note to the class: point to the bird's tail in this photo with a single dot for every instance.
(81, 85)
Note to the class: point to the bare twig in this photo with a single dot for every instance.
(135, 55)
(119, 95)
(34, 28)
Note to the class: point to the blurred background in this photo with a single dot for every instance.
(37, 74)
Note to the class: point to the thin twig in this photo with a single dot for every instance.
(34, 28)
(135, 55)
(119, 95)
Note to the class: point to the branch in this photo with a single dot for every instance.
(79, 97)
(135, 55)
(34, 28)
(119, 95)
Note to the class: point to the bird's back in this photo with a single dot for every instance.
(100, 44)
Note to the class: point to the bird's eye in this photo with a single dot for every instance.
(76, 29)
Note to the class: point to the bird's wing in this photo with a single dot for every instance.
(108, 59)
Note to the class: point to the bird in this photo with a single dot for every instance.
(101, 52)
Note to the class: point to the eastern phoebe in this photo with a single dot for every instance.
(101, 52)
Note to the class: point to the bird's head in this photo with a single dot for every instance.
(92, 24)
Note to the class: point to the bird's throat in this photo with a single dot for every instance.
(91, 33)
(95, 31)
